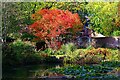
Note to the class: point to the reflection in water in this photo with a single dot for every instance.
(30, 71)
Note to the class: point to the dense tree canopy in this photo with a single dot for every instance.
(104, 17)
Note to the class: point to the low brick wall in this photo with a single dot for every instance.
(107, 42)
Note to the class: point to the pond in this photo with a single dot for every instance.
(107, 70)
(27, 72)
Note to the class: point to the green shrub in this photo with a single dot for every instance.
(49, 51)
(20, 47)
(90, 55)
(89, 47)
(17, 52)
(72, 56)
(27, 36)
(70, 47)
(96, 55)
(59, 52)
(69, 51)
(114, 56)
(116, 33)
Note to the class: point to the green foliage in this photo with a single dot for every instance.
(59, 52)
(27, 36)
(114, 56)
(116, 33)
(16, 16)
(87, 72)
(18, 52)
(66, 48)
(82, 56)
(22, 53)
(70, 51)
(90, 55)
(103, 16)
(72, 57)
(49, 51)
(113, 64)
(90, 47)
(98, 55)
(70, 47)
(19, 46)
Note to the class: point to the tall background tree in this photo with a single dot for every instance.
(15, 16)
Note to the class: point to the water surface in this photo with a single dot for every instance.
(27, 72)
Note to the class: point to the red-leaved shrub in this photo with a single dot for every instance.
(51, 23)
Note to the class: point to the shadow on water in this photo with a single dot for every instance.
(27, 72)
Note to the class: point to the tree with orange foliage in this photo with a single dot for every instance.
(49, 24)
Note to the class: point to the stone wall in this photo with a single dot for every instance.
(106, 42)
